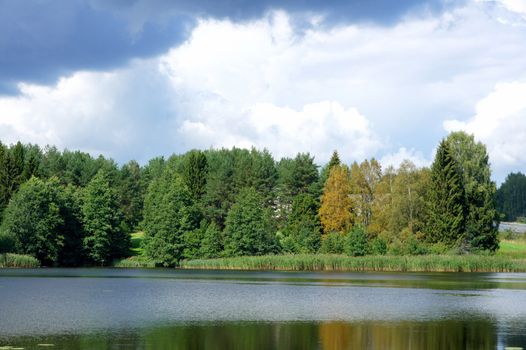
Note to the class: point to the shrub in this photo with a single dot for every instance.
(332, 243)
(356, 242)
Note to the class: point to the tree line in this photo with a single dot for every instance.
(67, 208)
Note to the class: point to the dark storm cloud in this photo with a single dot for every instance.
(42, 40)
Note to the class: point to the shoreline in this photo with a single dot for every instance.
(380, 263)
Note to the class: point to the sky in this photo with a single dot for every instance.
(135, 79)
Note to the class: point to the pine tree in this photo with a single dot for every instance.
(446, 202)
(336, 206)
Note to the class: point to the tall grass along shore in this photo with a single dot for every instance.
(420, 263)
(18, 260)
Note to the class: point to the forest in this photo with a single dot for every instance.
(67, 208)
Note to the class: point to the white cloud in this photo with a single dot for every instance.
(358, 88)
(105, 113)
(500, 122)
(395, 159)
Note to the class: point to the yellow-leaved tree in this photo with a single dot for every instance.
(336, 206)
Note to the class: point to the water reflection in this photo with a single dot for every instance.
(443, 334)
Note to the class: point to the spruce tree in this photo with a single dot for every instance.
(446, 202)
(195, 170)
(334, 161)
(481, 214)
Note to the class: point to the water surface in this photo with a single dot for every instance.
(169, 309)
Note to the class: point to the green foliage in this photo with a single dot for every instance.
(18, 261)
(295, 176)
(195, 169)
(104, 240)
(378, 246)
(130, 192)
(212, 243)
(34, 221)
(446, 202)
(302, 233)
(134, 262)
(481, 214)
(356, 242)
(332, 243)
(169, 212)
(334, 161)
(321, 262)
(72, 252)
(192, 243)
(7, 243)
(248, 229)
(511, 197)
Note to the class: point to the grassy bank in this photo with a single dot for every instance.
(421, 263)
(513, 248)
(17, 260)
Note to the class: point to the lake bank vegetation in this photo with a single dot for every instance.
(386, 263)
(67, 208)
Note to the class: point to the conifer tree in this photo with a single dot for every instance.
(446, 202)
(334, 161)
(481, 214)
(195, 170)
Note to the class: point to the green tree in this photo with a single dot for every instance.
(169, 213)
(72, 253)
(33, 220)
(511, 197)
(446, 202)
(302, 233)
(481, 216)
(356, 242)
(104, 240)
(131, 191)
(195, 169)
(335, 160)
(248, 229)
(212, 242)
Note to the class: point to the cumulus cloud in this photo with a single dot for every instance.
(115, 113)
(500, 122)
(363, 89)
(395, 159)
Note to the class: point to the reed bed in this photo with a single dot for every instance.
(134, 262)
(18, 260)
(420, 263)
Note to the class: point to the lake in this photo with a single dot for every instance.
(174, 309)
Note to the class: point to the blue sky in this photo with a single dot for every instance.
(385, 79)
